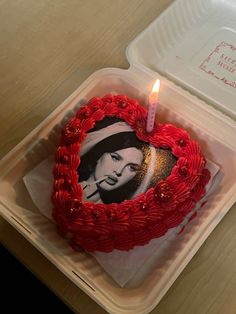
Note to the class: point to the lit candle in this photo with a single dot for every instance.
(152, 105)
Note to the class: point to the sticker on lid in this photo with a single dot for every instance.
(221, 64)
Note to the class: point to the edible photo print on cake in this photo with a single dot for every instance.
(116, 166)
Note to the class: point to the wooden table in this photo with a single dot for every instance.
(47, 49)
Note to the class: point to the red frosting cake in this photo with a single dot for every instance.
(117, 186)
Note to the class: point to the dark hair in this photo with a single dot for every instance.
(108, 145)
(165, 161)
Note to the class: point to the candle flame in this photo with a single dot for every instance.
(153, 98)
(156, 86)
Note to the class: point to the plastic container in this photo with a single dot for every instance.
(193, 43)
(213, 129)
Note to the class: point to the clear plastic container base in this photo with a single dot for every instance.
(212, 129)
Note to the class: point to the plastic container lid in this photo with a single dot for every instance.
(193, 43)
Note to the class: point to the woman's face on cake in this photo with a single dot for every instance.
(117, 168)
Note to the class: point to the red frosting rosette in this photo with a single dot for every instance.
(105, 227)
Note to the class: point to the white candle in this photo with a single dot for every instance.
(152, 105)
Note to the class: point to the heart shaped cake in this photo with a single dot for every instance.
(117, 186)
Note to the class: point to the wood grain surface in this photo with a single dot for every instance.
(47, 49)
